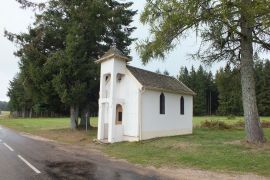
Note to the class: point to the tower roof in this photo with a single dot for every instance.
(113, 52)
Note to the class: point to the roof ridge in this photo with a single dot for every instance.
(185, 85)
(154, 80)
(152, 72)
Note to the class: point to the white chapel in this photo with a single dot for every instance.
(136, 104)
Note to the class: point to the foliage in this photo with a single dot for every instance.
(19, 97)
(197, 120)
(230, 100)
(229, 88)
(262, 71)
(203, 84)
(4, 106)
(57, 54)
(229, 30)
(216, 22)
(231, 116)
(225, 89)
(215, 125)
(265, 124)
(165, 72)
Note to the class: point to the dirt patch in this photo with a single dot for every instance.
(254, 147)
(236, 142)
(194, 174)
(78, 137)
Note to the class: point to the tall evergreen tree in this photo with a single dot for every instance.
(3, 106)
(59, 51)
(202, 82)
(229, 88)
(93, 27)
(262, 71)
(20, 99)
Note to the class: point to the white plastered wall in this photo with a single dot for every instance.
(124, 92)
(172, 122)
(131, 95)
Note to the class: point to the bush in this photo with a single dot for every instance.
(231, 117)
(265, 124)
(241, 124)
(215, 125)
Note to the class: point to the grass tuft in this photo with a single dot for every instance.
(215, 125)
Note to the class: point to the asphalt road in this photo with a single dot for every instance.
(24, 158)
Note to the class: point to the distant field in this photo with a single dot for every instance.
(211, 149)
(36, 124)
(4, 114)
(52, 128)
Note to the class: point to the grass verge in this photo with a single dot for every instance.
(53, 128)
(211, 149)
(218, 150)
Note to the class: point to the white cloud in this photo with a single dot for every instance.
(15, 20)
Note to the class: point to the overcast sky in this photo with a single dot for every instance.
(16, 20)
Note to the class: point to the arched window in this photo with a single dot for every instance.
(182, 105)
(162, 103)
(119, 114)
(107, 86)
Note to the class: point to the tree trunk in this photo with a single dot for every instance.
(30, 113)
(23, 112)
(85, 117)
(254, 132)
(74, 111)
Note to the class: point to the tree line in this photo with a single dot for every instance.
(220, 94)
(58, 75)
(4, 106)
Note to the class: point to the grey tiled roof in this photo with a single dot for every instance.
(155, 81)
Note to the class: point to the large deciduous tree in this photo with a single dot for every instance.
(229, 31)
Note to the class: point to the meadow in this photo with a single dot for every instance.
(207, 148)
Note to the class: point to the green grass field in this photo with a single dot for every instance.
(39, 124)
(218, 150)
(52, 128)
(211, 149)
(4, 114)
